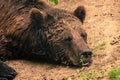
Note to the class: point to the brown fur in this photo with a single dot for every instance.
(35, 28)
(32, 29)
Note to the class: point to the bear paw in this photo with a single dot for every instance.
(6, 72)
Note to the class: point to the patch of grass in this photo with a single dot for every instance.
(68, 78)
(94, 54)
(101, 46)
(114, 74)
(55, 2)
(94, 75)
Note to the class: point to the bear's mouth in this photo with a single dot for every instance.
(86, 58)
(82, 60)
(86, 63)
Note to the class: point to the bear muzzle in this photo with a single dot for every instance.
(82, 59)
(85, 58)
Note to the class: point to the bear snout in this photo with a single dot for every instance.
(86, 57)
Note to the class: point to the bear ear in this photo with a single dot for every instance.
(37, 16)
(80, 13)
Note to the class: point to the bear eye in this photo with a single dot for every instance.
(84, 36)
(68, 39)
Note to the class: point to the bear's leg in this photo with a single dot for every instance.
(6, 72)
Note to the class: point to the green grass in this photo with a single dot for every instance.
(101, 46)
(94, 54)
(114, 74)
(93, 75)
(68, 78)
(55, 2)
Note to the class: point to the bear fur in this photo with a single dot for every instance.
(31, 29)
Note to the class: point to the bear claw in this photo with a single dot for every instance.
(6, 72)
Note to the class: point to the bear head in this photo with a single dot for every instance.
(55, 34)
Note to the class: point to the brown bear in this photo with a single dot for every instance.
(31, 29)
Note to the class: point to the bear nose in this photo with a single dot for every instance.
(86, 53)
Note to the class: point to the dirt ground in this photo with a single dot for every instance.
(103, 27)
